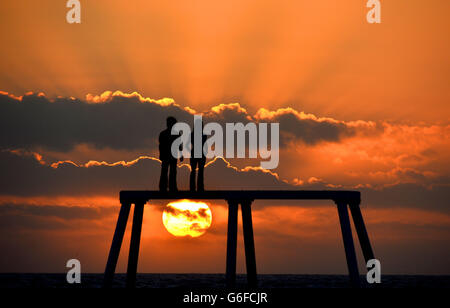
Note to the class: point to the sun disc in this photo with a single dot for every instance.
(187, 218)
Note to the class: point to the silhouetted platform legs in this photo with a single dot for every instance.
(361, 231)
(247, 224)
(134, 244)
(249, 242)
(349, 247)
(231, 243)
(116, 244)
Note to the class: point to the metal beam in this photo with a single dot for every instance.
(231, 243)
(349, 247)
(134, 244)
(249, 242)
(116, 244)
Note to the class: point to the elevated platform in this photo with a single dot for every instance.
(335, 195)
(344, 200)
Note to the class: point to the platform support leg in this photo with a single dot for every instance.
(116, 244)
(231, 243)
(361, 231)
(349, 247)
(134, 244)
(249, 243)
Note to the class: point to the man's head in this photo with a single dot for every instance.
(170, 122)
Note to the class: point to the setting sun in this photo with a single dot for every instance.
(187, 218)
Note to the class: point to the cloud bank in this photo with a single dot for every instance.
(129, 121)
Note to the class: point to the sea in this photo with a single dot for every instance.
(22, 280)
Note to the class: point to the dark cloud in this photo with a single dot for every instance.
(10, 222)
(49, 217)
(131, 122)
(222, 175)
(202, 213)
(121, 123)
(295, 125)
(59, 211)
(190, 215)
(196, 227)
(26, 176)
(433, 198)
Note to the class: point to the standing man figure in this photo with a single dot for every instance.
(168, 162)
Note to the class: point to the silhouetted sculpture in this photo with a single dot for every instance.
(345, 201)
(168, 162)
(197, 162)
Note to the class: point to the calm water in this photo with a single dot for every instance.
(218, 281)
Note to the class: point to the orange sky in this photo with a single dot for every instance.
(318, 57)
